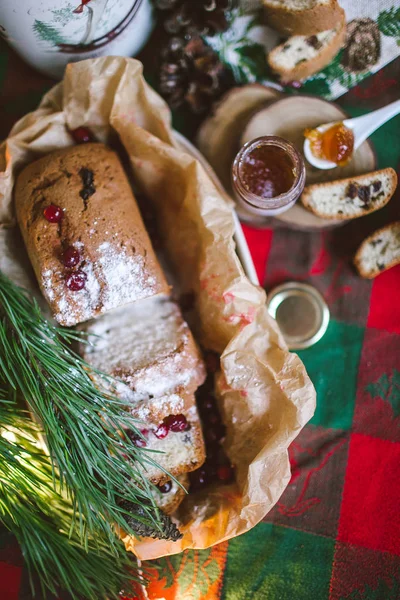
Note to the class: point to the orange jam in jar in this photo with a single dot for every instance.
(335, 144)
(268, 175)
(267, 171)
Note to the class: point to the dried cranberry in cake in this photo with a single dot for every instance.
(82, 135)
(76, 281)
(53, 213)
(176, 423)
(140, 442)
(162, 431)
(225, 473)
(136, 439)
(70, 257)
(164, 489)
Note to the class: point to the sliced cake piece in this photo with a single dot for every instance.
(170, 425)
(148, 346)
(302, 17)
(303, 55)
(169, 495)
(149, 350)
(379, 252)
(351, 197)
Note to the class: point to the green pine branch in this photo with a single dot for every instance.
(40, 518)
(98, 465)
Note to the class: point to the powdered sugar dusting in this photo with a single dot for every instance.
(167, 405)
(114, 278)
(47, 283)
(148, 346)
(122, 274)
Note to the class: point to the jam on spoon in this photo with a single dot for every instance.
(335, 144)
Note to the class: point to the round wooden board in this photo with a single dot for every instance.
(288, 118)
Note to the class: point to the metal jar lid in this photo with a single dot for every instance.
(301, 313)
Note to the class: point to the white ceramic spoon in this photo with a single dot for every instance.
(362, 128)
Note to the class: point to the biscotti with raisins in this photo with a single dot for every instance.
(302, 17)
(90, 250)
(303, 55)
(379, 252)
(351, 197)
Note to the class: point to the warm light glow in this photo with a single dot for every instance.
(9, 436)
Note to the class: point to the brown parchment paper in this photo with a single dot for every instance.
(264, 392)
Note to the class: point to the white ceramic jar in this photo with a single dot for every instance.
(48, 34)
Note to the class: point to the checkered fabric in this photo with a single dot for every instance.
(335, 532)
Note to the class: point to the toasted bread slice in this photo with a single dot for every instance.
(351, 197)
(302, 17)
(379, 252)
(303, 55)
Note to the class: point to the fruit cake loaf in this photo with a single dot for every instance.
(303, 55)
(84, 233)
(148, 346)
(351, 197)
(379, 252)
(169, 495)
(302, 17)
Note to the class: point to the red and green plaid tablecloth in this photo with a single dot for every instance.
(335, 533)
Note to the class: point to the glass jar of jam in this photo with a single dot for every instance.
(268, 176)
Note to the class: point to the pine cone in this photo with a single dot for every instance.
(191, 73)
(196, 17)
(363, 45)
(169, 529)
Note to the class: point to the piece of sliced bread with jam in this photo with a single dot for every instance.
(351, 197)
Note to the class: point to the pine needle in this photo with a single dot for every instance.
(97, 466)
(40, 517)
